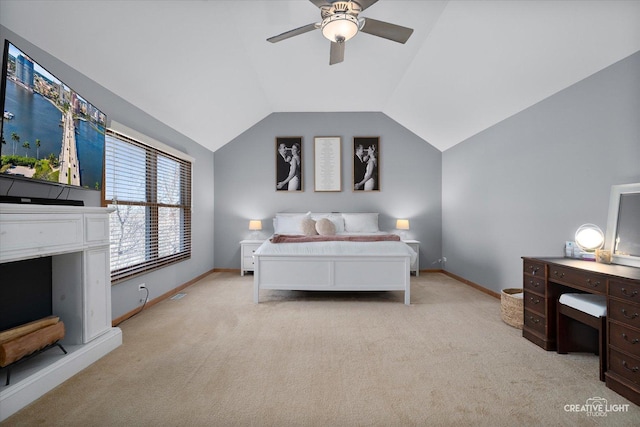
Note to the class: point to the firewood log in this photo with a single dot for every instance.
(18, 331)
(11, 351)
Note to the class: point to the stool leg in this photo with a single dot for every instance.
(602, 345)
(561, 333)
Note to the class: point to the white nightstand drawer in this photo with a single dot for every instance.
(247, 263)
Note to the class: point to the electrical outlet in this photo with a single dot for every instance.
(141, 286)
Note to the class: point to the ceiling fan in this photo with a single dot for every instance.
(340, 22)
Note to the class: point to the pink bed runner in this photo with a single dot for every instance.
(295, 238)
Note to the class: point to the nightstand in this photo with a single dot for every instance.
(415, 245)
(247, 248)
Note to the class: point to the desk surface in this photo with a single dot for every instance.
(622, 271)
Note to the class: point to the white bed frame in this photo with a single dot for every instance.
(332, 273)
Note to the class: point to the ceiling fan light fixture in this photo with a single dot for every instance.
(340, 27)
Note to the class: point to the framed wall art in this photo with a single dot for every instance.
(327, 163)
(289, 163)
(366, 163)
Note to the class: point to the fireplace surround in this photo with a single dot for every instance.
(77, 240)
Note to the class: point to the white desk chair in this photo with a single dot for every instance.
(590, 310)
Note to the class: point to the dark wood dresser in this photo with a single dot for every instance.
(545, 279)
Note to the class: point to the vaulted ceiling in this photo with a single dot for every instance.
(205, 68)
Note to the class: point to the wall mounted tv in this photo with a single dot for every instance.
(50, 133)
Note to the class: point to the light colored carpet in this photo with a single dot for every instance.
(213, 358)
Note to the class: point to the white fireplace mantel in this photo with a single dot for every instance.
(77, 239)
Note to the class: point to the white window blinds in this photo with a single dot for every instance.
(150, 190)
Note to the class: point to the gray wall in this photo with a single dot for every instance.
(523, 187)
(410, 180)
(125, 295)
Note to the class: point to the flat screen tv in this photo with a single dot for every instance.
(50, 133)
(623, 225)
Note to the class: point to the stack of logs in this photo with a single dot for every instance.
(26, 339)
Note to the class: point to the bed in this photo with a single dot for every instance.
(352, 255)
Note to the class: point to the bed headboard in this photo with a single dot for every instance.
(345, 222)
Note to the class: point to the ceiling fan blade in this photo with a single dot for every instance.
(386, 30)
(321, 3)
(291, 33)
(365, 3)
(337, 53)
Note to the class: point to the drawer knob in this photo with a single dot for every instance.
(561, 275)
(594, 284)
(624, 313)
(534, 320)
(534, 269)
(626, 338)
(534, 300)
(630, 295)
(534, 283)
(626, 366)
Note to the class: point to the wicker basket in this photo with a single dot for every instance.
(511, 304)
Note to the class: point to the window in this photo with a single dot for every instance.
(151, 192)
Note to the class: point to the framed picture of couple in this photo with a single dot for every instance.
(366, 163)
(289, 163)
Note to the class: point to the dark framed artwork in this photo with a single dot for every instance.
(327, 163)
(366, 163)
(289, 163)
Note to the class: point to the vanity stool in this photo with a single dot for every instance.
(574, 311)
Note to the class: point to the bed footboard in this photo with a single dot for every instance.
(330, 273)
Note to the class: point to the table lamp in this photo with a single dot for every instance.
(255, 225)
(402, 224)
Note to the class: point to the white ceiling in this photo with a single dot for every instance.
(205, 68)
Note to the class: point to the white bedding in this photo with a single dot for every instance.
(332, 265)
(337, 248)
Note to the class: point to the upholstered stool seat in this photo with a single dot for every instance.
(574, 312)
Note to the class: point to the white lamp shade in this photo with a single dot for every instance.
(339, 26)
(255, 224)
(402, 224)
(589, 237)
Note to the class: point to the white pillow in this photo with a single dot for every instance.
(288, 223)
(360, 222)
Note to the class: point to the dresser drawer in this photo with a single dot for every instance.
(591, 282)
(534, 302)
(625, 290)
(535, 321)
(624, 338)
(533, 268)
(624, 365)
(623, 312)
(534, 283)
